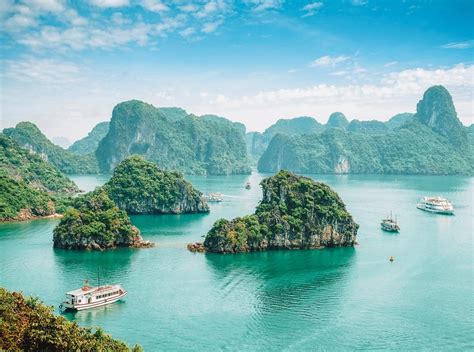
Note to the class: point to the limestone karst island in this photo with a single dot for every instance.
(221, 175)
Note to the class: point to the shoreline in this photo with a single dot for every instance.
(32, 218)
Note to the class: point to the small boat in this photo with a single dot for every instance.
(248, 185)
(436, 205)
(92, 297)
(389, 224)
(213, 197)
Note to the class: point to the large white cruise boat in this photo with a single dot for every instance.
(436, 205)
(91, 297)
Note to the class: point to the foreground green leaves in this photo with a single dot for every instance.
(29, 325)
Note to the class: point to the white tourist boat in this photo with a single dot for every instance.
(436, 205)
(92, 297)
(389, 224)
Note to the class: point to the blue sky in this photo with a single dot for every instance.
(66, 64)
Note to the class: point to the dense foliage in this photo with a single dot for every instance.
(337, 120)
(29, 186)
(139, 187)
(258, 142)
(89, 144)
(399, 120)
(28, 325)
(368, 127)
(295, 212)
(419, 146)
(95, 222)
(28, 136)
(192, 144)
(18, 201)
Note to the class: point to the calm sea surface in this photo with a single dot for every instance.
(332, 299)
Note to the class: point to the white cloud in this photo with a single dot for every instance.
(263, 5)
(154, 5)
(212, 8)
(325, 61)
(395, 92)
(6, 8)
(73, 18)
(46, 5)
(19, 22)
(339, 73)
(188, 8)
(459, 45)
(359, 2)
(109, 3)
(79, 38)
(44, 70)
(391, 63)
(311, 8)
(119, 19)
(170, 24)
(187, 32)
(211, 26)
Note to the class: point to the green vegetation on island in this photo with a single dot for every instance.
(28, 136)
(95, 222)
(258, 142)
(337, 120)
(140, 187)
(190, 144)
(89, 144)
(295, 213)
(26, 324)
(431, 142)
(29, 186)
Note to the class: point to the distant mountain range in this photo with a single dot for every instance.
(432, 141)
(257, 142)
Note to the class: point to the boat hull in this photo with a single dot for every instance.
(389, 230)
(101, 303)
(436, 211)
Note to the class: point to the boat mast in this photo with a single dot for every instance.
(98, 276)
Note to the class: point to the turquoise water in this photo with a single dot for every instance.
(332, 299)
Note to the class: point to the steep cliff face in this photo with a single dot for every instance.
(89, 144)
(29, 137)
(295, 213)
(190, 144)
(140, 187)
(437, 111)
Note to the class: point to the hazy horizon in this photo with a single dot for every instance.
(66, 65)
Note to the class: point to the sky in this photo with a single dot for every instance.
(65, 64)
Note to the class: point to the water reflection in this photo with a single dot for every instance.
(89, 317)
(305, 287)
(167, 224)
(76, 266)
(284, 278)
